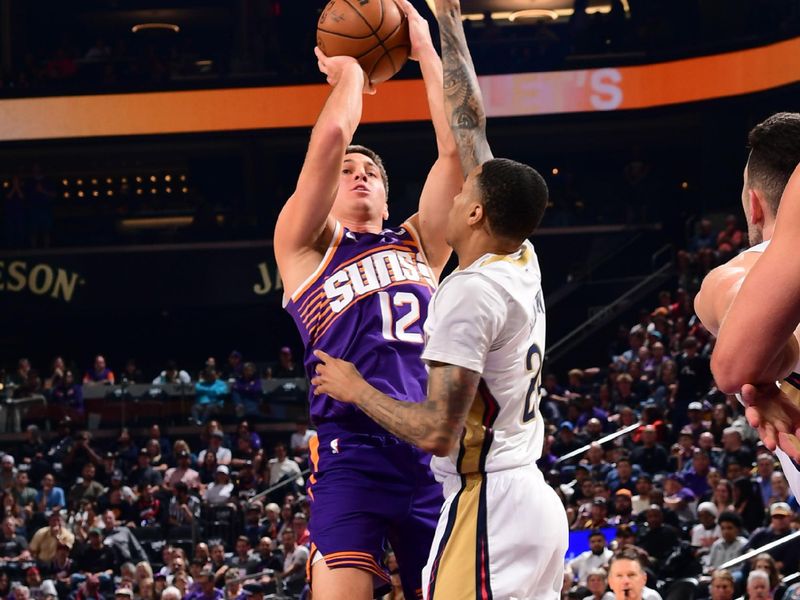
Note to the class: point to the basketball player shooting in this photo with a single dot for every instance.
(361, 291)
(502, 532)
(774, 150)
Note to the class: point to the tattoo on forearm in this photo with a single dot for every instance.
(437, 421)
(462, 93)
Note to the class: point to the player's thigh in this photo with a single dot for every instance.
(340, 584)
(527, 536)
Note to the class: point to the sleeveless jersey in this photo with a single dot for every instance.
(490, 318)
(366, 304)
(791, 387)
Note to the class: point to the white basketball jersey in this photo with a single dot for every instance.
(490, 318)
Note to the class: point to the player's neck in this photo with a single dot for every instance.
(360, 226)
(478, 245)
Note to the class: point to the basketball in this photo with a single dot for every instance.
(375, 32)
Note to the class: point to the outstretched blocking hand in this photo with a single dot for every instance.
(335, 67)
(418, 30)
(337, 378)
(775, 416)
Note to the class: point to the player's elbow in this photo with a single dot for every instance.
(729, 374)
(335, 133)
(440, 446)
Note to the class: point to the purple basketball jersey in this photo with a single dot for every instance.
(366, 303)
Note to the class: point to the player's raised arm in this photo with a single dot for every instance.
(445, 178)
(463, 100)
(305, 217)
(766, 311)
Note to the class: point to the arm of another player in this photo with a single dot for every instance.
(306, 215)
(766, 311)
(462, 95)
(433, 425)
(445, 178)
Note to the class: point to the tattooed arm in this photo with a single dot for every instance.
(462, 95)
(433, 425)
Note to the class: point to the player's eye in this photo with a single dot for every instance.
(346, 171)
(371, 174)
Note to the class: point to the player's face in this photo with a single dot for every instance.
(361, 195)
(627, 575)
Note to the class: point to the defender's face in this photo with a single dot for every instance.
(361, 190)
(458, 219)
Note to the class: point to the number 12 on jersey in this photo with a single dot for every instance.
(533, 365)
(397, 330)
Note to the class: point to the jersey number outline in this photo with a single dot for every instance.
(395, 331)
(533, 365)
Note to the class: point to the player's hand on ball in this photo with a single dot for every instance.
(335, 67)
(418, 30)
(337, 378)
(775, 416)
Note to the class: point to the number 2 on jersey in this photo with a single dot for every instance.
(397, 330)
(533, 364)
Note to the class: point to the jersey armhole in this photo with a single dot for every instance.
(338, 233)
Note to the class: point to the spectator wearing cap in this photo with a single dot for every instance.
(567, 441)
(246, 391)
(623, 508)
(183, 473)
(47, 591)
(730, 544)
(216, 446)
(656, 538)
(707, 531)
(94, 558)
(144, 473)
(651, 456)
(12, 545)
(255, 591)
(597, 516)
(184, 509)
(696, 425)
(210, 394)
(220, 491)
(695, 475)
(596, 556)
(780, 515)
(86, 489)
(123, 593)
(44, 542)
(679, 498)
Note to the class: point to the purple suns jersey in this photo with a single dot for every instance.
(366, 303)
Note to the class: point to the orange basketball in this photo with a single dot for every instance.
(375, 32)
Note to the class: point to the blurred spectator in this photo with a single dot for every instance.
(99, 373)
(779, 526)
(87, 488)
(131, 373)
(656, 538)
(120, 539)
(182, 473)
(68, 397)
(210, 396)
(246, 391)
(285, 368)
(758, 586)
(171, 374)
(235, 366)
(220, 491)
(184, 509)
(45, 540)
(596, 556)
(294, 562)
(282, 467)
(215, 446)
(747, 502)
(722, 585)
(299, 441)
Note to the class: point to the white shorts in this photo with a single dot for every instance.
(501, 535)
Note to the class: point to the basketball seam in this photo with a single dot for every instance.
(386, 51)
(344, 35)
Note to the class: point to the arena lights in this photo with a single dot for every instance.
(94, 181)
(79, 182)
(155, 27)
(168, 177)
(153, 178)
(65, 182)
(81, 194)
(684, 185)
(109, 180)
(533, 13)
(66, 194)
(6, 185)
(537, 13)
(555, 171)
(138, 179)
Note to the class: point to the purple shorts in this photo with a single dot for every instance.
(367, 490)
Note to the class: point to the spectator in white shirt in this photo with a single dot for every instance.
(172, 375)
(282, 467)
(220, 490)
(707, 531)
(224, 455)
(596, 556)
(300, 440)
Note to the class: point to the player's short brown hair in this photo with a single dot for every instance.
(774, 154)
(374, 157)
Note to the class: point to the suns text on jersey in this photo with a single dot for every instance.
(374, 272)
